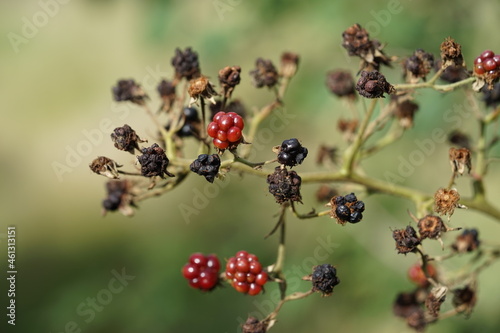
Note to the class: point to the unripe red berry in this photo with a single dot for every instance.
(234, 134)
(202, 272)
(489, 64)
(245, 273)
(417, 276)
(487, 54)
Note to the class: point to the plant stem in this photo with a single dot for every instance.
(430, 84)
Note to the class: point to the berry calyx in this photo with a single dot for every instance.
(202, 272)
(225, 129)
(245, 273)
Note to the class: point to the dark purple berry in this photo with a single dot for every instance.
(358, 206)
(207, 166)
(355, 217)
(291, 152)
(343, 212)
(190, 114)
(350, 197)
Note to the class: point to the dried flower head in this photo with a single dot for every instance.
(417, 320)
(126, 139)
(166, 89)
(284, 185)
(465, 298)
(120, 197)
(406, 239)
(229, 77)
(431, 226)
(289, 64)
(128, 90)
(434, 300)
(451, 53)
(341, 83)
(357, 42)
(445, 201)
(154, 162)
(105, 166)
(201, 88)
(373, 85)
(459, 160)
(324, 279)
(468, 241)
(186, 64)
(404, 110)
(253, 325)
(418, 66)
(265, 74)
(460, 139)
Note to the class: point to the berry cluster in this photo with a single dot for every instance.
(245, 273)
(487, 62)
(324, 279)
(291, 152)
(347, 208)
(202, 271)
(225, 129)
(207, 166)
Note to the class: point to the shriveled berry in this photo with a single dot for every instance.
(350, 197)
(324, 279)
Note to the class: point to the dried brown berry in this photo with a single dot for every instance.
(324, 279)
(417, 320)
(166, 89)
(253, 325)
(154, 162)
(373, 85)
(126, 139)
(341, 83)
(120, 197)
(460, 139)
(418, 66)
(105, 166)
(434, 300)
(186, 64)
(465, 298)
(325, 193)
(265, 74)
(404, 110)
(445, 201)
(468, 241)
(289, 64)
(451, 53)
(128, 90)
(229, 77)
(201, 88)
(459, 160)
(284, 185)
(406, 239)
(431, 226)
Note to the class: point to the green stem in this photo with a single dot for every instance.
(430, 84)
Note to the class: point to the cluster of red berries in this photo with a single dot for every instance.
(245, 273)
(487, 63)
(225, 129)
(202, 271)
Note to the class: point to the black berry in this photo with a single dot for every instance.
(207, 166)
(346, 209)
(324, 279)
(343, 212)
(291, 152)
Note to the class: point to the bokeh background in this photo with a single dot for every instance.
(58, 85)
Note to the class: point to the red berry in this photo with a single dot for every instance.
(497, 59)
(261, 278)
(213, 262)
(218, 115)
(242, 287)
(240, 277)
(195, 283)
(222, 135)
(242, 265)
(489, 64)
(212, 129)
(250, 278)
(255, 267)
(241, 254)
(232, 114)
(190, 271)
(220, 144)
(479, 69)
(417, 276)
(252, 257)
(198, 259)
(254, 289)
(225, 122)
(478, 60)
(238, 122)
(234, 134)
(487, 54)
(231, 265)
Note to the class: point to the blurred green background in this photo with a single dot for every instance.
(57, 86)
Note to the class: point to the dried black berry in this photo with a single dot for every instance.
(373, 85)
(358, 206)
(406, 239)
(491, 96)
(154, 162)
(324, 279)
(341, 83)
(350, 197)
(418, 65)
(119, 197)
(229, 77)
(265, 74)
(190, 114)
(128, 90)
(291, 152)
(186, 64)
(166, 89)
(126, 139)
(207, 166)
(284, 185)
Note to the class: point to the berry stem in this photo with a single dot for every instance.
(430, 84)
(309, 215)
